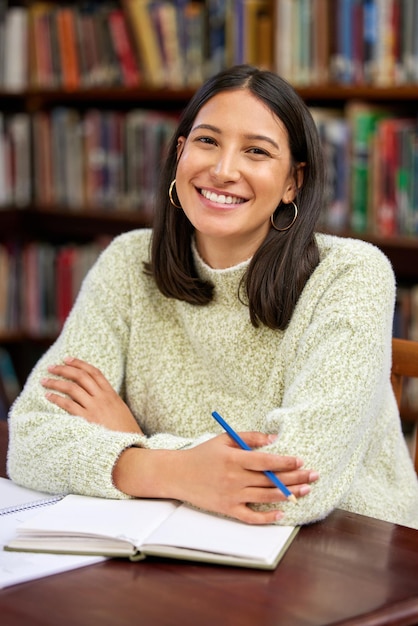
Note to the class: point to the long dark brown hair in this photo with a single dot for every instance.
(285, 260)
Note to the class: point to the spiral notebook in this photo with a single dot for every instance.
(18, 505)
(139, 528)
(14, 498)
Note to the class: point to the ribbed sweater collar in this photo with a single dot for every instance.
(226, 281)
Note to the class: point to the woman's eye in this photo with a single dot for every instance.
(206, 140)
(258, 151)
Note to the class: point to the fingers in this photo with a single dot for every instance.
(81, 389)
(262, 461)
(249, 516)
(86, 376)
(77, 379)
(65, 403)
(258, 440)
(77, 383)
(288, 469)
(67, 395)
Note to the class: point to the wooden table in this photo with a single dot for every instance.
(335, 571)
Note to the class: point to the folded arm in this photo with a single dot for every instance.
(214, 475)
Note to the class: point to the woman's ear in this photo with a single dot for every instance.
(295, 184)
(299, 174)
(180, 146)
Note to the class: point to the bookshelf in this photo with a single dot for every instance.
(221, 33)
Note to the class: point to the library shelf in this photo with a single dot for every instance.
(50, 223)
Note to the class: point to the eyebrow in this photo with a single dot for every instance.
(218, 130)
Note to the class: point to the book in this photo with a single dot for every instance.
(19, 151)
(165, 18)
(321, 41)
(253, 20)
(334, 134)
(304, 55)
(19, 504)
(42, 158)
(3, 13)
(91, 69)
(5, 192)
(15, 77)
(409, 21)
(193, 22)
(67, 43)
(284, 50)
(124, 48)
(363, 119)
(138, 528)
(342, 59)
(146, 40)
(218, 17)
(387, 155)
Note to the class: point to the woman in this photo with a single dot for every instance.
(234, 304)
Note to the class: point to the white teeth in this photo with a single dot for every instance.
(221, 199)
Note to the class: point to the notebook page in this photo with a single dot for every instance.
(19, 567)
(13, 497)
(189, 528)
(131, 520)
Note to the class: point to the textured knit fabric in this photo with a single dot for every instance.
(323, 384)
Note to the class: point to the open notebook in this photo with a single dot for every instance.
(17, 505)
(137, 528)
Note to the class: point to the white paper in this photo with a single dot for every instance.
(132, 520)
(18, 567)
(189, 528)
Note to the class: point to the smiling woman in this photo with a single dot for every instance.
(233, 172)
(233, 303)
(245, 135)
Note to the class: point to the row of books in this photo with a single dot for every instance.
(179, 43)
(110, 161)
(79, 160)
(172, 43)
(39, 283)
(347, 41)
(372, 170)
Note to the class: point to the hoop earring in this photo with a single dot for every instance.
(170, 195)
(291, 223)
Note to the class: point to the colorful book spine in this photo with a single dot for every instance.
(363, 120)
(124, 48)
(70, 71)
(146, 40)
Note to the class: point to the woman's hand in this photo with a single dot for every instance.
(216, 476)
(88, 394)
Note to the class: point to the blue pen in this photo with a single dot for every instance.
(231, 432)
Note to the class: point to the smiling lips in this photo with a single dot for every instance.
(221, 198)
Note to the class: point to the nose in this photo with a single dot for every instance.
(226, 167)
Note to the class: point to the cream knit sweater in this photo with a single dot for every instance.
(323, 384)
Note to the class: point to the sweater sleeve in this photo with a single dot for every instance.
(51, 450)
(337, 379)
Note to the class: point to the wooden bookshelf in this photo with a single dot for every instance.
(54, 223)
(335, 93)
